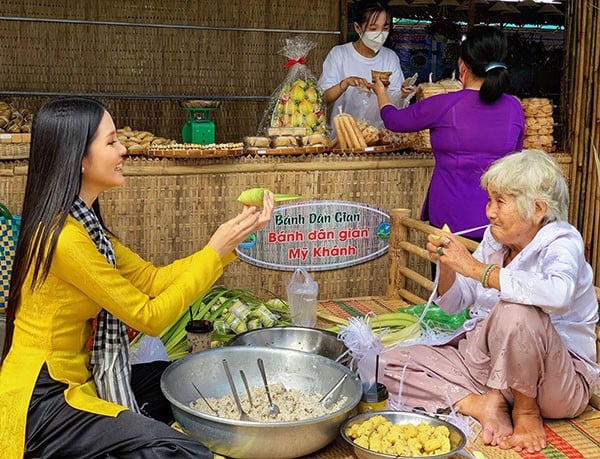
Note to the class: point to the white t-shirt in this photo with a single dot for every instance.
(344, 61)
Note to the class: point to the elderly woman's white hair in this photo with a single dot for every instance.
(530, 176)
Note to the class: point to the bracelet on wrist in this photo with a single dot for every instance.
(485, 276)
(341, 87)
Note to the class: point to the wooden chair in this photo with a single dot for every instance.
(408, 258)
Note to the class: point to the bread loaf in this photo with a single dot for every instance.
(383, 76)
(539, 123)
(257, 142)
(315, 139)
(284, 141)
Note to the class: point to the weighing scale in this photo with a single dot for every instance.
(199, 128)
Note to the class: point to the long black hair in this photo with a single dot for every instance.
(61, 132)
(485, 45)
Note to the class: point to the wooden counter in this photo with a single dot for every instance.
(169, 207)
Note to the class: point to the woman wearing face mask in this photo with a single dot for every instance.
(469, 129)
(346, 77)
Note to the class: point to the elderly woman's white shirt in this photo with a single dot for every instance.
(550, 273)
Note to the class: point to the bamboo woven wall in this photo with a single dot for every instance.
(169, 208)
(582, 105)
(151, 47)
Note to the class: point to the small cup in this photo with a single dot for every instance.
(371, 401)
(199, 333)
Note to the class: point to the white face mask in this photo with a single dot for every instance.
(374, 40)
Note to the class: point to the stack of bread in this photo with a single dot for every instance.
(539, 124)
(138, 142)
(348, 134)
(425, 90)
(192, 150)
(370, 133)
(406, 140)
(285, 138)
(360, 135)
(383, 137)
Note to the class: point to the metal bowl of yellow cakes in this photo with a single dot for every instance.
(397, 434)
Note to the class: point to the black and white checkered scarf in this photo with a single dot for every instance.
(110, 351)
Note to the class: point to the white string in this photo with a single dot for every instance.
(468, 230)
(467, 424)
(359, 337)
(437, 278)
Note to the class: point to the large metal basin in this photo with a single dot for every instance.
(304, 339)
(308, 373)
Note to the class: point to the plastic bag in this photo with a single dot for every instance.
(298, 100)
(437, 318)
(148, 349)
(364, 348)
(302, 292)
(362, 104)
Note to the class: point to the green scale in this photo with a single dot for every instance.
(199, 128)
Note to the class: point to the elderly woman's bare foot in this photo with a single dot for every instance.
(492, 411)
(528, 433)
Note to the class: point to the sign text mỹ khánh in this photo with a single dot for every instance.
(318, 235)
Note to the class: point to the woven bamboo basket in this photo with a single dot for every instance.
(12, 151)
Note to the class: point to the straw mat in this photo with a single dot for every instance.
(357, 307)
(577, 438)
(567, 439)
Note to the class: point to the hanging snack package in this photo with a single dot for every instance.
(297, 104)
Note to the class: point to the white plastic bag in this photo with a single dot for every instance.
(302, 292)
(148, 349)
(362, 105)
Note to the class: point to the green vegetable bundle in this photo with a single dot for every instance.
(232, 311)
(395, 327)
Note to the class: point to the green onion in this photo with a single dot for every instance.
(398, 326)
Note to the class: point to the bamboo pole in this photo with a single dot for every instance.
(576, 124)
(581, 113)
(411, 298)
(593, 142)
(397, 256)
(416, 277)
(569, 102)
(585, 112)
(594, 138)
(590, 207)
(226, 168)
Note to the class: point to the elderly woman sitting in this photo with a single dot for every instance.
(528, 350)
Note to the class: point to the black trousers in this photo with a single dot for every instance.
(56, 430)
(145, 382)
